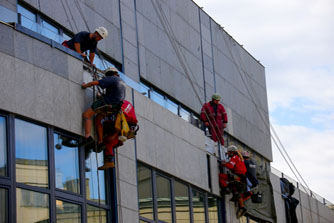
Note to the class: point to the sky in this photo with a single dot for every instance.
(294, 40)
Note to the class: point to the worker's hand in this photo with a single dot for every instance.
(83, 86)
(206, 123)
(224, 125)
(83, 54)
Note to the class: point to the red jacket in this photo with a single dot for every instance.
(236, 165)
(208, 111)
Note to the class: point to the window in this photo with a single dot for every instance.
(156, 203)
(185, 114)
(31, 206)
(50, 31)
(67, 163)
(171, 106)
(145, 192)
(158, 98)
(163, 199)
(95, 179)
(67, 212)
(96, 215)
(182, 210)
(3, 205)
(27, 19)
(3, 147)
(198, 206)
(31, 154)
(213, 209)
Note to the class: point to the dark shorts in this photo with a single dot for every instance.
(97, 104)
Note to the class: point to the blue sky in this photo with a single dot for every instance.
(294, 40)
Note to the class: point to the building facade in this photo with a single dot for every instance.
(173, 57)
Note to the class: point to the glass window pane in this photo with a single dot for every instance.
(67, 212)
(3, 205)
(171, 106)
(185, 114)
(67, 163)
(31, 154)
(28, 19)
(198, 206)
(213, 209)
(163, 199)
(182, 209)
(66, 37)
(158, 98)
(3, 147)
(93, 180)
(145, 192)
(31, 207)
(50, 31)
(143, 88)
(96, 215)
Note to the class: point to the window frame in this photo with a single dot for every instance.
(9, 182)
(190, 188)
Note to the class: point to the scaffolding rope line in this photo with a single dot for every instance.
(69, 9)
(182, 60)
(62, 3)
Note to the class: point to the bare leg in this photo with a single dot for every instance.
(87, 116)
(99, 128)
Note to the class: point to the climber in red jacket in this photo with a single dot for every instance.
(215, 118)
(236, 180)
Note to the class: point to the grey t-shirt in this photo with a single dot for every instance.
(115, 89)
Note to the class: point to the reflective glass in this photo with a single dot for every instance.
(3, 147)
(143, 89)
(96, 215)
(67, 163)
(213, 209)
(198, 206)
(158, 98)
(67, 212)
(182, 209)
(28, 18)
(185, 114)
(3, 205)
(171, 106)
(98, 63)
(163, 199)
(145, 192)
(31, 154)
(32, 207)
(50, 31)
(95, 183)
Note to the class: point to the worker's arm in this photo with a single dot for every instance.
(91, 57)
(78, 49)
(89, 84)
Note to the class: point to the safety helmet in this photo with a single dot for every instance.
(245, 154)
(216, 96)
(103, 32)
(232, 149)
(110, 71)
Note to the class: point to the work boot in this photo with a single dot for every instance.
(241, 212)
(108, 163)
(100, 147)
(224, 191)
(86, 141)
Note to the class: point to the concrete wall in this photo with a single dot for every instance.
(141, 37)
(309, 209)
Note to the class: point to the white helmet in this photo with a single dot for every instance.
(111, 71)
(245, 154)
(103, 32)
(232, 149)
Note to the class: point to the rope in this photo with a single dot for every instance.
(171, 36)
(62, 3)
(69, 9)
